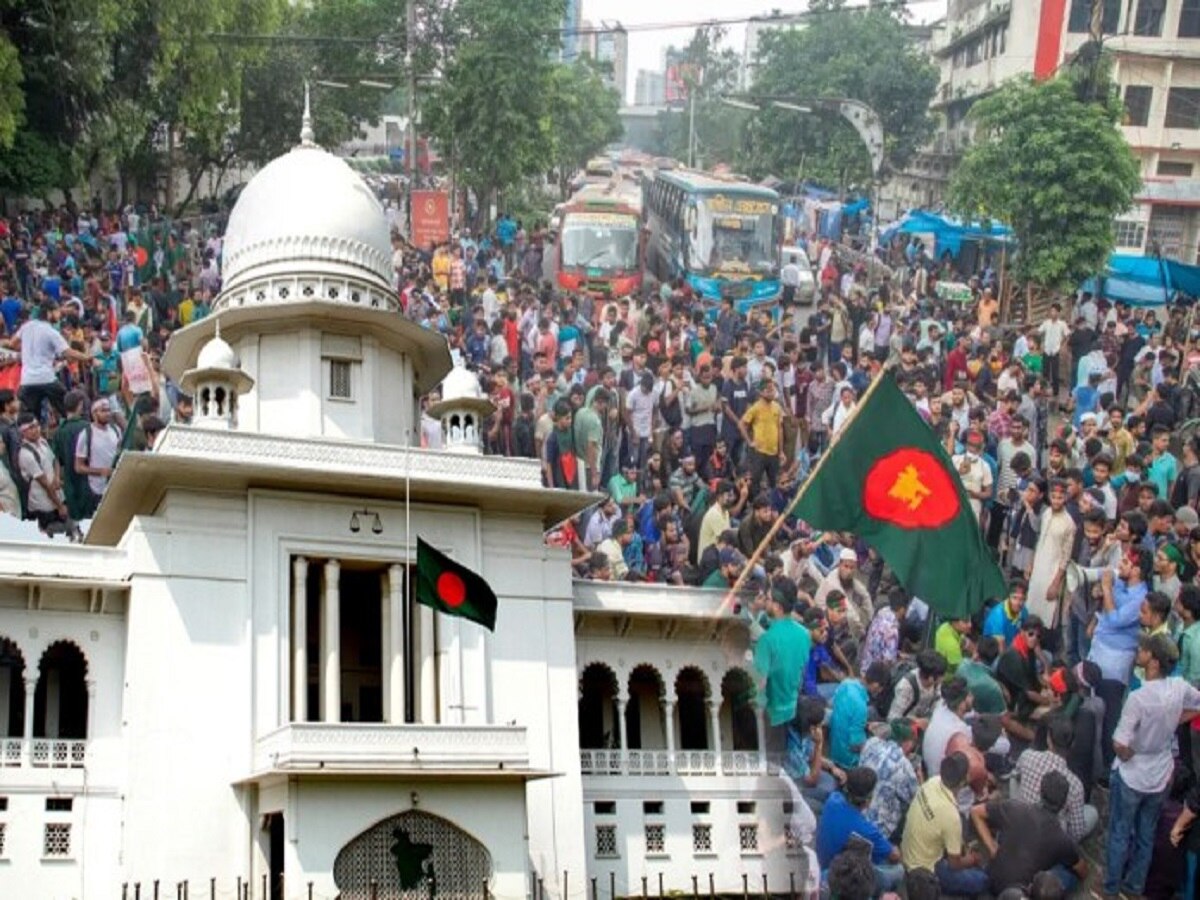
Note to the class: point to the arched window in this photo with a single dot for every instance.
(643, 715)
(598, 729)
(60, 705)
(12, 690)
(691, 693)
(738, 710)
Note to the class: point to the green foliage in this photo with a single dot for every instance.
(491, 110)
(1053, 166)
(12, 98)
(583, 116)
(866, 54)
(35, 166)
(709, 71)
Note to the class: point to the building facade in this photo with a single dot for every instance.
(232, 684)
(1155, 49)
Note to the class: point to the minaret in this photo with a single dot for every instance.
(462, 411)
(307, 137)
(215, 385)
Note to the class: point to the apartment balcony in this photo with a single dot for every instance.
(643, 763)
(42, 753)
(446, 752)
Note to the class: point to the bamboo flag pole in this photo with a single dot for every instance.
(727, 602)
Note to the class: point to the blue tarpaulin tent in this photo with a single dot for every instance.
(949, 234)
(1145, 280)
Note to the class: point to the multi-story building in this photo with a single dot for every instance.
(231, 682)
(1155, 48)
(612, 47)
(572, 26)
(650, 88)
(755, 28)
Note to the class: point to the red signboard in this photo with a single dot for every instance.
(430, 218)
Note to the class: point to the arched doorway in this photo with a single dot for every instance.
(412, 856)
(60, 704)
(12, 690)
(691, 706)
(738, 710)
(643, 715)
(598, 728)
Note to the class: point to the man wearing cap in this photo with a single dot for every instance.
(1168, 561)
(1143, 743)
(974, 473)
(761, 427)
(1031, 840)
(780, 658)
(729, 566)
(842, 578)
(933, 832)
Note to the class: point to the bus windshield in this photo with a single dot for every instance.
(733, 235)
(601, 241)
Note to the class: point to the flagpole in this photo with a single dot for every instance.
(727, 602)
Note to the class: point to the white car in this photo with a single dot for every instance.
(796, 271)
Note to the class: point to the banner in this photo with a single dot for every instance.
(430, 218)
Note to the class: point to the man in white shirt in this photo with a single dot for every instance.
(1144, 764)
(975, 474)
(96, 450)
(40, 470)
(41, 347)
(947, 720)
(1054, 332)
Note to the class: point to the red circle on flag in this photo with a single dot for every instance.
(451, 590)
(910, 488)
(140, 256)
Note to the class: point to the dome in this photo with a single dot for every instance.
(217, 354)
(460, 384)
(307, 208)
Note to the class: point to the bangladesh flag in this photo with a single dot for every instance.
(453, 589)
(888, 480)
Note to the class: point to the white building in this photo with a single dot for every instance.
(231, 681)
(1155, 47)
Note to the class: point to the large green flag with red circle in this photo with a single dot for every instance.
(452, 588)
(887, 479)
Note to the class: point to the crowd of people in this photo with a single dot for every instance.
(961, 757)
(958, 756)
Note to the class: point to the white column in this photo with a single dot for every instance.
(428, 669)
(331, 635)
(299, 639)
(668, 707)
(714, 721)
(393, 644)
(27, 748)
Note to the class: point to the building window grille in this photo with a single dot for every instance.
(57, 839)
(748, 837)
(3, 835)
(702, 838)
(1129, 234)
(656, 838)
(606, 841)
(1137, 104)
(1183, 108)
(339, 379)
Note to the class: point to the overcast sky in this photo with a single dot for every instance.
(646, 47)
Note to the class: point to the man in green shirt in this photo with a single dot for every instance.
(948, 641)
(1188, 607)
(623, 487)
(729, 566)
(985, 690)
(76, 494)
(780, 658)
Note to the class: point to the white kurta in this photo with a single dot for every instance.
(1055, 538)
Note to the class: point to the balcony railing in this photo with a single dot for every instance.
(333, 747)
(666, 762)
(42, 753)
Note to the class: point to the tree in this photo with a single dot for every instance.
(861, 53)
(12, 98)
(1054, 165)
(491, 109)
(709, 71)
(583, 117)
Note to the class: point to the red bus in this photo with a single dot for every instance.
(601, 249)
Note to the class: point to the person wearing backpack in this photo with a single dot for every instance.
(75, 487)
(914, 691)
(96, 452)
